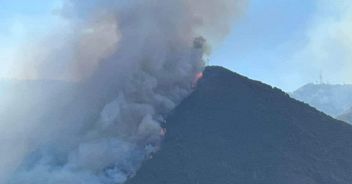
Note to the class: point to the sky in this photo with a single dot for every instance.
(263, 39)
(285, 43)
(288, 43)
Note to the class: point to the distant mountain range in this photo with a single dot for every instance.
(347, 116)
(333, 100)
(235, 130)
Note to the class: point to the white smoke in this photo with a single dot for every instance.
(133, 61)
(328, 49)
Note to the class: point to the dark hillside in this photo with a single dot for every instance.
(235, 130)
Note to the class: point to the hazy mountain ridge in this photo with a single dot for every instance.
(347, 116)
(333, 100)
(235, 130)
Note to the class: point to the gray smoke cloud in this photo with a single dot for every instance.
(131, 62)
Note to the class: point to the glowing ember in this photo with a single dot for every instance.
(198, 76)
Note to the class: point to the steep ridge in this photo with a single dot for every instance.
(235, 130)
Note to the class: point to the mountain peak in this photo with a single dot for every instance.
(219, 76)
(235, 130)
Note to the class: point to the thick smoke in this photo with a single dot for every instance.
(132, 62)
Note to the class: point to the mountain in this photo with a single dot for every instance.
(235, 130)
(347, 116)
(333, 100)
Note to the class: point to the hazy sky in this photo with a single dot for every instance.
(288, 43)
(262, 42)
(285, 43)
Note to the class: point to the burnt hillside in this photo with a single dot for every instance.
(235, 130)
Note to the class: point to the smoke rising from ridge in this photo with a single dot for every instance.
(133, 61)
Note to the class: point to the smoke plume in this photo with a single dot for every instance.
(129, 63)
(328, 49)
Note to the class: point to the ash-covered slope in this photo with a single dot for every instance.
(235, 130)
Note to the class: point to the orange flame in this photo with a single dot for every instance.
(198, 76)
